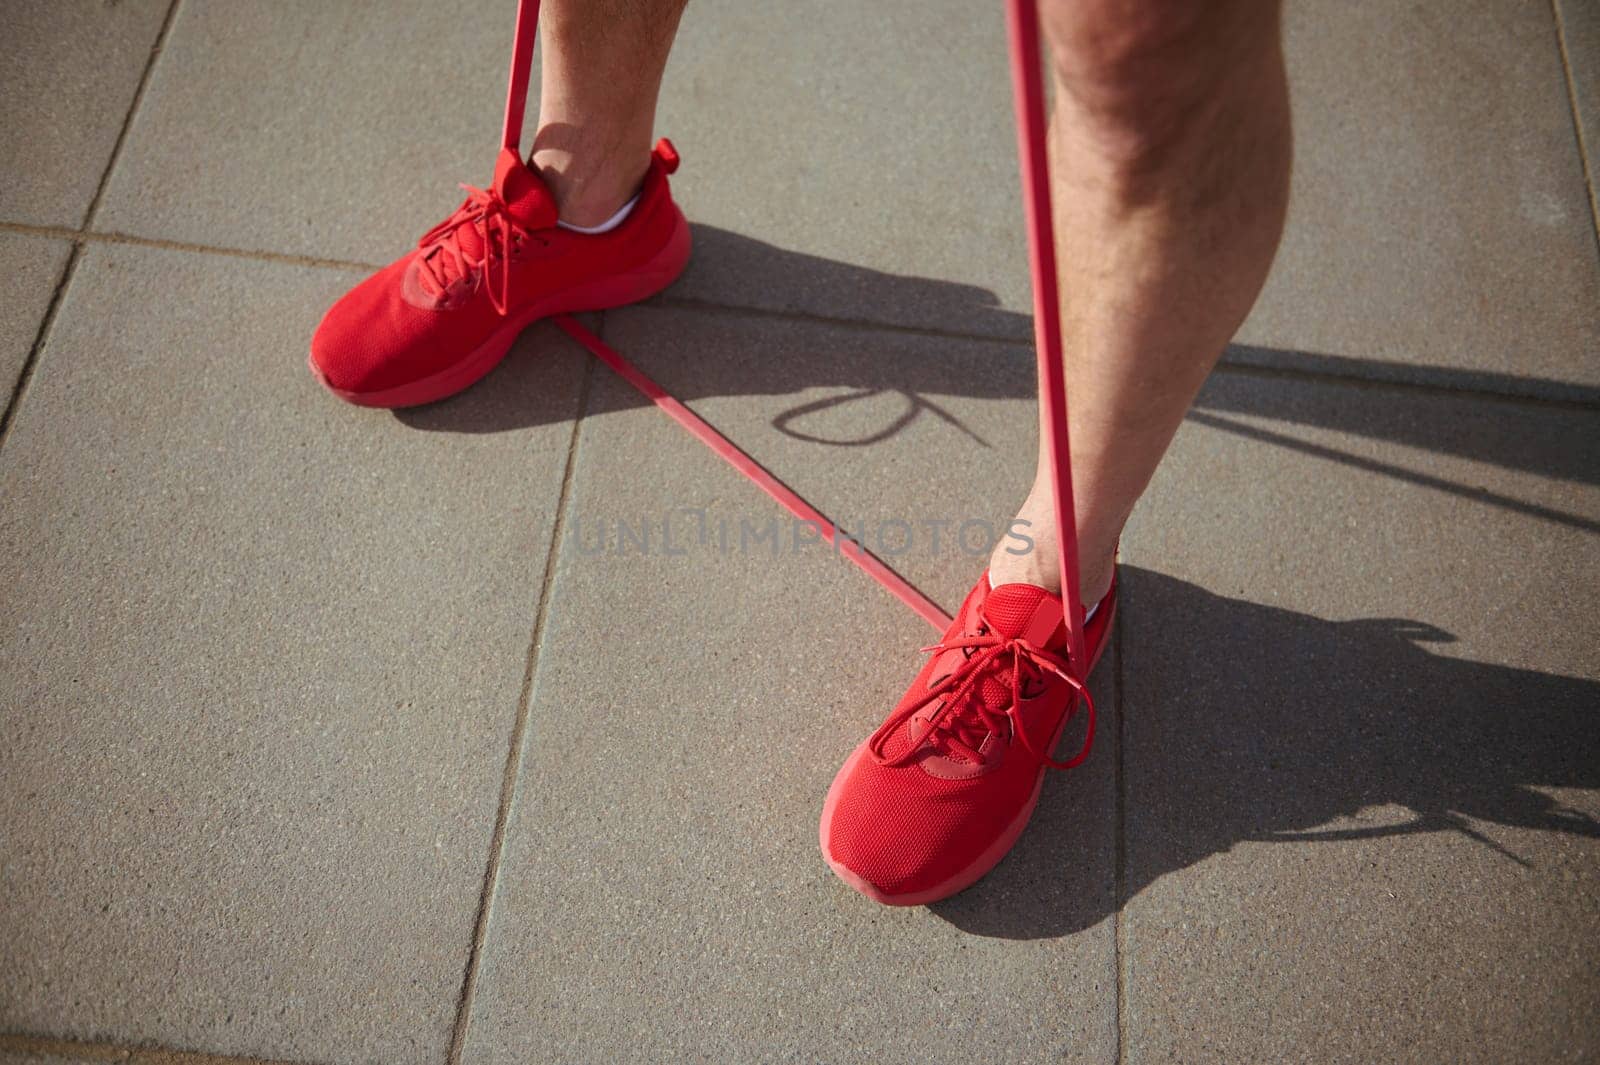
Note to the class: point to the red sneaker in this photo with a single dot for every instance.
(433, 322)
(937, 796)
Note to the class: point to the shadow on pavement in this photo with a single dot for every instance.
(748, 269)
(1226, 746)
(1230, 746)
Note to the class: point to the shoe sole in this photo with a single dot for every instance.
(980, 866)
(615, 291)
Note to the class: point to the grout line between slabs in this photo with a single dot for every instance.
(25, 374)
(1577, 121)
(19, 387)
(711, 307)
(514, 757)
(38, 1046)
(1120, 877)
(133, 110)
(1227, 366)
(82, 236)
(1240, 368)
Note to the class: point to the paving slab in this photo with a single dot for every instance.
(33, 266)
(921, 446)
(863, 166)
(260, 661)
(337, 131)
(662, 896)
(1439, 228)
(1362, 747)
(1436, 228)
(69, 70)
(362, 118)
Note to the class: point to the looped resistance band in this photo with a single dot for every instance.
(1022, 21)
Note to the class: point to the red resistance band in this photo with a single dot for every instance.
(1022, 23)
(1022, 26)
(760, 475)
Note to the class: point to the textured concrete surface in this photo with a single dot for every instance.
(863, 167)
(263, 656)
(1440, 227)
(1362, 753)
(337, 131)
(911, 443)
(661, 861)
(1421, 201)
(33, 268)
(260, 659)
(68, 73)
(823, 183)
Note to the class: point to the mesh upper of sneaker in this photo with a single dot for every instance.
(959, 759)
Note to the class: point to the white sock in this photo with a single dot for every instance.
(609, 224)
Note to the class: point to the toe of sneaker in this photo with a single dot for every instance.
(370, 339)
(902, 837)
(343, 354)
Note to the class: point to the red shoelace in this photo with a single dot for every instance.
(466, 241)
(964, 718)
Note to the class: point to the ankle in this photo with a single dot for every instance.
(1095, 581)
(586, 194)
(1038, 563)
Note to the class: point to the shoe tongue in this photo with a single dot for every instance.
(1024, 610)
(1009, 611)
(527, 198)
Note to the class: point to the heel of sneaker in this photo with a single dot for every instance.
(641, 282)
(668, 263)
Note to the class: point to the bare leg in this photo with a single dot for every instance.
(1170, 151)
(602, 67)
